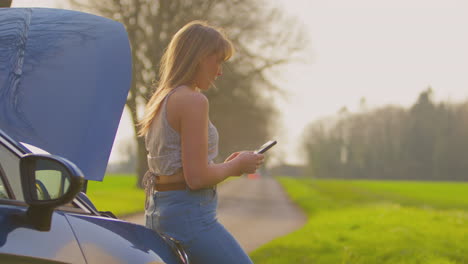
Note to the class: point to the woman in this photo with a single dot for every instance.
(182, 143)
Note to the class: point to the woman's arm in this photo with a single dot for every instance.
(193, 110)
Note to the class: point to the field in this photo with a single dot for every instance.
(374, 222)
(117, 193)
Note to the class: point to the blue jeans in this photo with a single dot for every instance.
(190, 217)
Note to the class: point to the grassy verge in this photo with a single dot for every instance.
(440, 195)
(117, 193)
(374, 222)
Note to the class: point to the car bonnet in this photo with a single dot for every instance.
(64, 80)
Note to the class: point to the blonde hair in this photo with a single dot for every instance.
(180, 61)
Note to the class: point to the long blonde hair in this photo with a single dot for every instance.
(180, 61)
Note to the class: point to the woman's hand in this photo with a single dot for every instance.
(248, 161)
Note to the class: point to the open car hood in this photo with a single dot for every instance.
(64, 80)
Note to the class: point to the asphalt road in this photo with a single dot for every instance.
(255, 211)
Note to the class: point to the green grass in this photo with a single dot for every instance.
(442, 195)
(374, 222)
(117, 193)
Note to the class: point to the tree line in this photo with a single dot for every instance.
(427, 141)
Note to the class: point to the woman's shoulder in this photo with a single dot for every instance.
(186, 103)
(187, 97)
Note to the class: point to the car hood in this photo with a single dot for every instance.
(64, 80)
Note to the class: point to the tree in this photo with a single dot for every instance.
(5, 3)
(263, 37)
(420, 135)
(425, 142)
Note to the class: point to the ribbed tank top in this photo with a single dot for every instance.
(164, 146)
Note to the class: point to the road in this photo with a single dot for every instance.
(255, 211)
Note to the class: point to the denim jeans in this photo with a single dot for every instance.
(190, 217)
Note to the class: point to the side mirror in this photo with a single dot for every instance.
(48, 181)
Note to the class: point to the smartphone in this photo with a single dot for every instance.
(265, 147)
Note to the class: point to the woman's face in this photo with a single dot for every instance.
(210, 69)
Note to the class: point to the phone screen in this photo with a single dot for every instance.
(266, 147)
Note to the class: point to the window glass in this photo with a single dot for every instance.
(3, 191)
(10, 165)
(50, 183)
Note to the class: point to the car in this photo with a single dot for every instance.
(64, 79)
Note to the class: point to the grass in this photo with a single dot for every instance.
(374, 222)
(117, 193)
(441, 195)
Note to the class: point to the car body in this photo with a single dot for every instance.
(64, 79)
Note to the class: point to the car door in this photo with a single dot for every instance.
(19, 241)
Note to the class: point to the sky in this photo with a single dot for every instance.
(385, 51)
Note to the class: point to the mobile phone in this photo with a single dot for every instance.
(265, 147)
